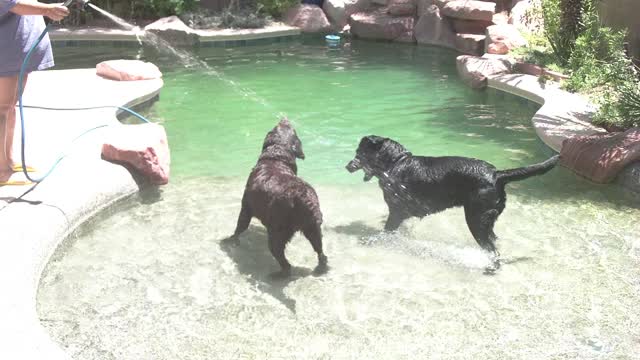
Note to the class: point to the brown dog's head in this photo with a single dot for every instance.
(375, 155)
(284, 136)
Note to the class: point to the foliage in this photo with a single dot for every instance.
(146, 9)
(276, 8)
(576, 43)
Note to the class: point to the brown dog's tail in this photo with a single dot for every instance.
(507, 176)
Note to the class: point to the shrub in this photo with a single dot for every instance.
(276, 8)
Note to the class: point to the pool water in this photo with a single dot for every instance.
(153, 278)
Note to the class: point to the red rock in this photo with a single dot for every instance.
(470, 10)
(379, 25)
(474, 70)
(127, 70)
(402, 7)
(309, 18)
(174, 31)
(143, 147)
(601, 157)
(434, 29)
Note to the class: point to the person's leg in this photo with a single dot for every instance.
(8, 99)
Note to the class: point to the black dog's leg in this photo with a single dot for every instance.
(480, 221)
(314, 234)
(244, 219)
(277, 242)
(395, 219)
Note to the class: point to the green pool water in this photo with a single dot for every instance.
(152, 278)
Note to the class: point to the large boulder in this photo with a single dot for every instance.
(142, 147)
(629, 178)
(402, 7)
(309, 18)
(127, 70)
(471, 44)
(382, 26)
(433, 29)
(601, 157)
(173, 30)
(474, 70)
(470, 10)
(507, 35)
(478, 27)
(338, 11)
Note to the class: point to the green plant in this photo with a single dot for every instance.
(276, 8)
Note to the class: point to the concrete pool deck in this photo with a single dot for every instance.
(36, 219)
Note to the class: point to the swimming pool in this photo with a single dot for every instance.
(151, 279)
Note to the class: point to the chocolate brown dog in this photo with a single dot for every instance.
(421, 185)
(282, 201)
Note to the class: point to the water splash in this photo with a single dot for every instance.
(187, 59)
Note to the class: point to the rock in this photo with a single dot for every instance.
(506, 34)
(474, 70)
(471, 44)
(338, 11)
(309, 18)
(629, 178)
(143, 147)
(478, 27)
(601, 157)
(470, 10)
(379, 25)
(127, 70)
(402, 7)
(379, 2)
(433, 29)
(536, 70)
(498, 49)
(173, 30)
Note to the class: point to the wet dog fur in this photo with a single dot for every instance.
(283, 202)
(416, 186)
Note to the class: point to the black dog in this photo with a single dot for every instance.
(420, 185)
(282, 201)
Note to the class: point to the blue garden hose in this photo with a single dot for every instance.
(21, 107)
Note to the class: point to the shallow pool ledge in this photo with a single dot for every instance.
(562, 115)
(34, 220)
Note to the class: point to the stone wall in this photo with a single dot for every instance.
(621, 14)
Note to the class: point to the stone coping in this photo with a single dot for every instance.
(36, 219)
(562, 114)
(228, 37)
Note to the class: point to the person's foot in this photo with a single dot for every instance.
(11, 178)
(18, 168)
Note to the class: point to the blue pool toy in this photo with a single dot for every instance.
(332, 40)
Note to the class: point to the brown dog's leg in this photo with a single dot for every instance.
(277, 242)
(314, 234)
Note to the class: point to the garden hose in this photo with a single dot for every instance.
(22, 122)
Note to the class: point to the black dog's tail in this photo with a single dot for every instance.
(507, 176)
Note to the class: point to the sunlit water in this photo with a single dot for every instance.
(152, 278)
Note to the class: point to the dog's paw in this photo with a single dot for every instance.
(321, 269)
(493, 268)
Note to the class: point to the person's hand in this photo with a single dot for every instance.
(56, 12)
